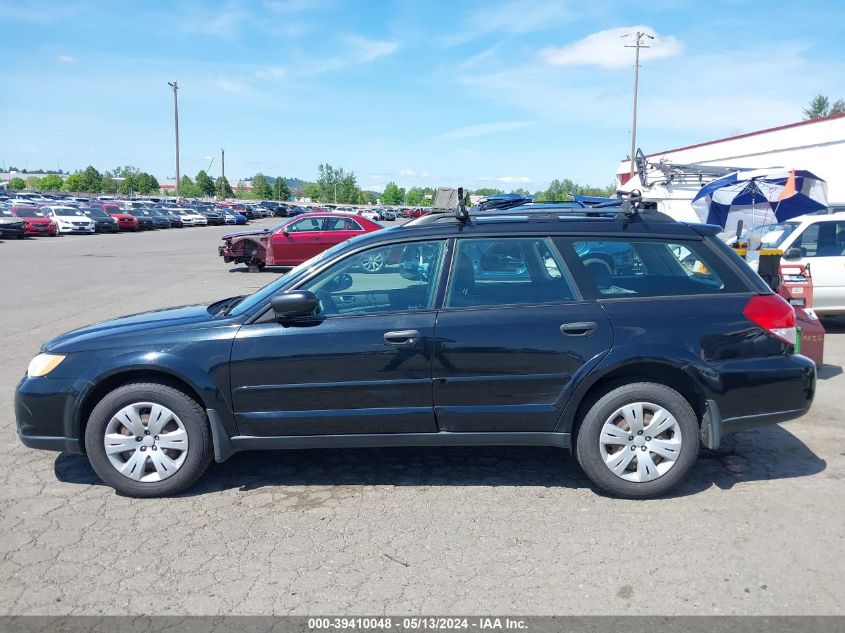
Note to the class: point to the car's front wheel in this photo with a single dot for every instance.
(148, 440)
(638, 440)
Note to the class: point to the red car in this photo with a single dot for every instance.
(293, 241)
(35, 222)
(125, 221)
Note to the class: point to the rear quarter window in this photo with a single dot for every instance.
(620, 268)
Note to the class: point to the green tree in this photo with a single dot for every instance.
(16, 183)
(261, 189)
(75, 182)
(222, 188)
(312, 191)
(205, 183)
(281, 191)
(819, 106)
(487, 192)
(33, 183)
(415, 197)
(366, 197)
(52, 182)
(188, 188)
(93, 180)
(522, 191)
(146, 184)
(393, 194)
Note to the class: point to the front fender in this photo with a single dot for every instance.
(213, 395)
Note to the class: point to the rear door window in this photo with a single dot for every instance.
(651, 268)
(507, 271)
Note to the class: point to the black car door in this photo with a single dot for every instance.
(511, 336)
(362, 364)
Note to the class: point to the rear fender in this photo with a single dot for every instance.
(689, 369)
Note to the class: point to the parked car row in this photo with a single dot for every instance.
(21, 217)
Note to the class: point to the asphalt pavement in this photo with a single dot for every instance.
(756, 529)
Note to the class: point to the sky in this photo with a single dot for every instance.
(502, 94)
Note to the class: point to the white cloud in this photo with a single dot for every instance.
(363, 49)
(272, 73)
(509, 180)
(293, 6)
(222, 25)
(66, 59)
(358, 50)
(606, 49)
(407, 173)
(228, 85)
(515, 17)
(483, 129)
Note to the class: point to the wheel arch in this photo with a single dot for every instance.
(195, 385)
(660, 371)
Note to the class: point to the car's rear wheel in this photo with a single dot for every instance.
(148, 440)
(638, 440)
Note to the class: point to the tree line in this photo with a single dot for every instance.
(333, 185)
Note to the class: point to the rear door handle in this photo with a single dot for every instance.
(402, 338)
(584, 328)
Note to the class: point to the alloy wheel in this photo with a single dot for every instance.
(372, 263)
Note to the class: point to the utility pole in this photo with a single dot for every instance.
(176, 120)
(638, 44)
(222, 174)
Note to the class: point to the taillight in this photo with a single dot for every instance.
(773, 314)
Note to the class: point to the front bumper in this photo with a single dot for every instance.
(44, 413)
(34, 230)
(12, 231)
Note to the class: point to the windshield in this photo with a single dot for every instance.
(262, 294)
(96, 213)
(67, 211)
(773, 235)
(28, 212)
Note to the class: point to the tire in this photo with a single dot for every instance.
(606, 440)
(154, 470)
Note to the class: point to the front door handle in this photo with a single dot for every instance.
(584, 328)
(402, 338)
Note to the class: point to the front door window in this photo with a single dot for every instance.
(392, 278)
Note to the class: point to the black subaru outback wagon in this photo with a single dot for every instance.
(629, 339)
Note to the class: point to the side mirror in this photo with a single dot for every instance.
(792, 253)
(294, 304)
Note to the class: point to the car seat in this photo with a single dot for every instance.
(600, 275)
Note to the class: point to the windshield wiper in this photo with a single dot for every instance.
(224, 306)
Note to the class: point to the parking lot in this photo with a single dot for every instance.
(756, 529)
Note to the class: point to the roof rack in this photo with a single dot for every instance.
(516, 208)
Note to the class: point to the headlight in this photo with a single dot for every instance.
(43, 364)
